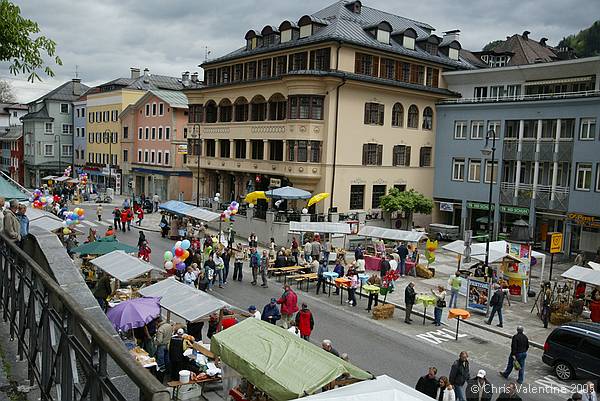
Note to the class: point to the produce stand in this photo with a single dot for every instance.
(372, 262)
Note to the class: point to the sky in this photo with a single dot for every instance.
(101, 40)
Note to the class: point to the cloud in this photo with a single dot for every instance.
(103, 39)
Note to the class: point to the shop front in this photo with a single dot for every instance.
(585, 234)
(477, 219)
(168, 185)
(547, 222)
(508, 216)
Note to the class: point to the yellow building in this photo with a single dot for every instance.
(341, 101)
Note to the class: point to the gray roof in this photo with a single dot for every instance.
(12, 133)
(148, 82)
(349, 27)
(175, 99)
(63, 93)
(41, 114)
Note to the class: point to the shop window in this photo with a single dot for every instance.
(376, 194)
(357, 196)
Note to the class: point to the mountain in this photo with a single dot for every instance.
(586, 43)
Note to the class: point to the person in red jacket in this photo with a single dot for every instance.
(305, 322)
(144, 252)
(289, 305)
(595, 310)
(124, 218)
(140, 216)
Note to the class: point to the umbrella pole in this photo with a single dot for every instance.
(457, 324)
(424, 313)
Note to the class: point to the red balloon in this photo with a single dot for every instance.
(178, 251)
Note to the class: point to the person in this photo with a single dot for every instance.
(359, 252)
(353, 276)
(280, 260)
(440, 304)
(409, 300)
(23, 221)
(295, 248)
(164, 332)
(238, 264)
(254, 264)
(428, 384)
(307, 250)
(289, 305)
(455, 281)
(2, 206)
(326, 250)
(509, 393)
(546, 303)
(12, 225)
(380, 248)
(226, 256)
(327, 345)
(518, 352)
(254, 313)
(339, 269)
(384, 266)
(589, 392)
(141, 238)
(164, 226)
(228, 319)
(271, 312)
(479, 388)
(176, 358)
(129, 217)
(263, 268)
(116, 218)
(102, 290)
(595, 309)
(124, 219)
(576, 397)
(219, 267)
(402, 251)
(194, 329)
(496, 303)
(189, 278)
(305, 322)
(373, 296)
(445, 391)
(321, 280)
(109, 232)
(144, 252)
(272, 245)
(252, 241)
(140, 216)
(459, 374)
(315, 248)
(294, 329)
(209, 272)
(92, 236)
(155, 201)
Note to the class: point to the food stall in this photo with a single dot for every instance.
(178, 211)
(279, 364)
(335, 231)
(572, 299)
(372, 262)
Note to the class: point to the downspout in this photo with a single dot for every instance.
(335, 129)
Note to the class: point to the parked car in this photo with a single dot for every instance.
(443, 232)
(573, 350)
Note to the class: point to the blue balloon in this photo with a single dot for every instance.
(185, 244)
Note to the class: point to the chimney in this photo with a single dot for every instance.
(452, 35)
(185, 78)
(77, 87)
(354, 6)
(135, 73)
(146, 75)
(543, 41)
(195, 77)
(526, 35)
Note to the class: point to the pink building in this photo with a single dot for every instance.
(157, 145)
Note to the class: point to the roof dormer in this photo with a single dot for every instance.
(310, 25)
(354, 6)
(253, 39)
(406, 38)
(430, 44)
(380, 31)
(450, 46)
(270, 35)
(288, 31)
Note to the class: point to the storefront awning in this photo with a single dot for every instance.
(183, 209)
(320, 227)
(582, 274)
(122, 266)
(290, 193)
(183, 300)
(391, 234)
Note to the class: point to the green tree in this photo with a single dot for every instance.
(491, 45)
(407, 203)
(586, 43)
(21, 45)
(7, 94)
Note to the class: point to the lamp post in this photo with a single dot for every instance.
(57, 139)
(108, 134)
(487, 151)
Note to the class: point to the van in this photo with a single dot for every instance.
(573, 350)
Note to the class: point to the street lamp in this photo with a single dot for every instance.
(57, 139)
(488, 151)
(108, 134)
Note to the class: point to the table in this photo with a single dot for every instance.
(330, 276)
(308, 277)
(345, 283)
(176, 384)
(426, 300)
(372, 262)
(287, 270)
(458, 314)
(363, 279)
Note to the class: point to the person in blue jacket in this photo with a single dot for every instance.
(271, 312)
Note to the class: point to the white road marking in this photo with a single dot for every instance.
(89, 223)
(439, 336)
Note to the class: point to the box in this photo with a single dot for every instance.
(190, 392)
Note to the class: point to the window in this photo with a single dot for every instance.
(139, 156)
(77, 110)
(98, 117)
(211, 147)
(125, 155)
(427, 119)
(458, 169)
(211, 112)
(49, 128)
(397, 115)
(489, 170)
(474, 170)
(240, 148)
(404, 71)
(114, 137)
(401, 155)
(77, 132)
(291, 150)
(566, 338)
(433, 77)
(64, 108)
(146, 156)
(315, 151)
(91, 138)
(425, 156)
(167, 133)
(48, 150)
(306, 107)
(91, 118)
(590, 347)
(125, 132)
(513, 91)
(264, 68)
(159, 157)
(319, 59)
(413, 117)
(147, 109)
(161, 109)
(460, 130)
(160, 133)
(140, 133)
(83, 114)
(377, 193)
(67, 150)
(67, 128)
(154, 109)
(277, 109)
(302, 155)
(374, 113)
(152, 156)
(98, 137)
(257, 149)
(196, 113)
(106, 116)
(185, 132)
(357, 196)
(365, 64)
(167, 158)
(584, 177)
(114, 115)
(298, 61)
(480, 92)
(276, 150)
(225, 148)
(388, 68)
(477, 129)
(280, 65)
(372, 154)
(153, 133)
(587, 131)
(567, 128)
(496, 92)
(494, 126)
(258, 111)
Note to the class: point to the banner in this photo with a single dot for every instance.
(516, 270)
(478, 296)
(182, 149)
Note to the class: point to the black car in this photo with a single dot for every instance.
(573, 350)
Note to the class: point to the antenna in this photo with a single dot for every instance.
(76, 71)
(206, 53)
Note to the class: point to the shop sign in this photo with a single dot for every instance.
(516, 271)
(556, 241)
(275, 182)
(182, 149)
(446, 207)
(584, 220)
(514, 210)
(478, 295)
(478, 206)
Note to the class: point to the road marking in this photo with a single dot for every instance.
(439, 336)
(89, 223)
(550, 381)
(103, 223)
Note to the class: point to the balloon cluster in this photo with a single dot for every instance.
(74, 217)
(67, 172)
(431, 247)
(177, 255)
(83, 179)
(39, 201)
(232, 210)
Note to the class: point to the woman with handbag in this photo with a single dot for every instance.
(440, 304)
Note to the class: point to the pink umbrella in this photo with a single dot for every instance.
(134, 313)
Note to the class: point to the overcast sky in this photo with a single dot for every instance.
(105, 38)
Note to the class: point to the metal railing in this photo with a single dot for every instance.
(521, 98)
(68, 353)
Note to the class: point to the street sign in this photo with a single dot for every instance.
(556, 241)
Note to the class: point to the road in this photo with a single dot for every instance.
(382, 347)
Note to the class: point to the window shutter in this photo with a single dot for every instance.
(435, 78)
(375, 66)
(364, 155)
(398, 72)
(379, 154)
(312, 59)
(357, 63)
(407, 156)
(367, 113)
(381, 110)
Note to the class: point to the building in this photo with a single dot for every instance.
(48, 132)
(11, 140)
(156, 141)
(547, 172)
(80, 138)
(105, 153)
(340, 101)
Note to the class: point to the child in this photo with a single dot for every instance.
(140, 216)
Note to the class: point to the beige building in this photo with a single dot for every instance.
(341, 101)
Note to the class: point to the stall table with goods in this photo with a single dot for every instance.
(426, 300)
(342, 283)
(325, 228)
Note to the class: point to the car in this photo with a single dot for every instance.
(573, 350)
(443, 232)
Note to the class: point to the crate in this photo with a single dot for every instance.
(384, 311)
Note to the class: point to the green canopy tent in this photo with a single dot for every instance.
(279, 363)
(9, 191)
(103, 246)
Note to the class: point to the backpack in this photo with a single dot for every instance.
(495, 301)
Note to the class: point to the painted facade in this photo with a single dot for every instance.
(80, 131)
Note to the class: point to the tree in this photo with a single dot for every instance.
(7, 94)
(407, 203)
(491, 45)
(586, 43)
(19, 46)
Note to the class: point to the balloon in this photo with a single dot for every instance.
(235, 204)
(180, 266)
(43, 199)
(81, 212)
(178, 244)
(176, 260)
(234, 212)
(66, 231)
(168, 265)
(168, 256)
(178, 252)
(185, 244)
(186, 254)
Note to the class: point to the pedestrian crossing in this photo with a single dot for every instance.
(95, 223)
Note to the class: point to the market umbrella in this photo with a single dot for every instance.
(134, 313)
(287, 193)
(103, 246)
(252, 197)
(317, 198)
(458, 314)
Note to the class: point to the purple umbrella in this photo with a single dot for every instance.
(134, 313)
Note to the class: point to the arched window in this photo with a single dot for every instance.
(277, 107)
(211, 111)
(398, 115)
(258, 110)
(427, 118)
(413, 117)
(240, 109)
(225, 110)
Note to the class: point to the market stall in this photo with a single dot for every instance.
(122, 266)
(183, 209)
(279, 364)
(334, 230)
(583, 275)
(372, 262)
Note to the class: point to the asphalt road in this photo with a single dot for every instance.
(381, 347)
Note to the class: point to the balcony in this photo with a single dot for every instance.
(285, 129)
(543, 196)
(509, 151)
(523, 98)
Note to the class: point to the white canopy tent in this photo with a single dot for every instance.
(383, 388)
(122, 266)
(183, 300)
(594, 265)
(391, 234)
(320, 227)
(585, 275)
(62, 179)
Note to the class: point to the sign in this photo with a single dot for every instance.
(118, 183)
(516, 271)
(478, 206)
(556, 241)
(446, 207)
(275, 182)
(514, 210)
(182, 149)
(584, 220)
(478, 295)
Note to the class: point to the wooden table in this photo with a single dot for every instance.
(176, 384)
(279, 271)
(343, 282)
(308, 277)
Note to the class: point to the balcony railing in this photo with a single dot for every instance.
(543, 195)
(522, 98)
